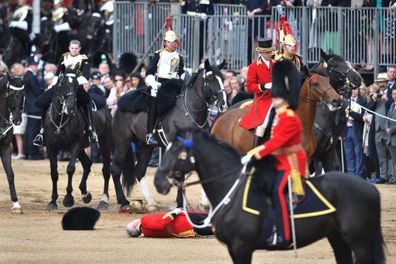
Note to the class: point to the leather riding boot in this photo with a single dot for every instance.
(92, 137)
(151, 120)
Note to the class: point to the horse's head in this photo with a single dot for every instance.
(213, 87)
(342, 76)
(94, 23)
(66, 93)
(177, 161)
(319, 90)
(15, 97)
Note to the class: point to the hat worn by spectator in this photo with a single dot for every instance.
(265, 45)
(382, 77)
(80, 218)
(96, 75)
(32, 60)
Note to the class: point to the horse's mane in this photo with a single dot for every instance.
(201, 135)
(195, 75)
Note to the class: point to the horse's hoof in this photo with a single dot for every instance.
(52, 206)
(16, 208)
(125, 209)
(68, 201)
(87, 197)
(103, 205)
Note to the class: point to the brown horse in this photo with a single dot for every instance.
(315, 89)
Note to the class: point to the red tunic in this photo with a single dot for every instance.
(163, 225)
(258, 73)
(286, 133)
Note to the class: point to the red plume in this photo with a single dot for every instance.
(168, 26)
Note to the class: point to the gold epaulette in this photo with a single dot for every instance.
(84, 57)
(278, 56)
(158, 51)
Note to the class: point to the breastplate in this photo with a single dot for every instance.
(168, 65)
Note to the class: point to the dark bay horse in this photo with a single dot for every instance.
(64, 129)
(191, 109)
(354, 228)
(343, 79)
(315, 90)
(12, 96)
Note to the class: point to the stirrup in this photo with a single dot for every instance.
(38, 140)
(150, 139)
(92, 137)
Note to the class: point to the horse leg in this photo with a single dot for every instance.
(240, 252)
(54, 177)
(6, 160)
(342, 251)
(204, 201)
(104, 202)
(141, 167)
(120, 153)
(68, 200)
(87, 164)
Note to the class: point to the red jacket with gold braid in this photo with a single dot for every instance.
(165, 225)
(286, 137)
(258, 73)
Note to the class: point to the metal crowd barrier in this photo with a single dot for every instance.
(364, 36)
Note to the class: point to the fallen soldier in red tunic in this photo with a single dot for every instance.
(171, 224)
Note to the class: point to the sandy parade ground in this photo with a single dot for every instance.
(36, 235)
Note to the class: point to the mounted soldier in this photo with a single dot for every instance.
(21, 24)
(166, 64)
(288, 49)
(79, 63)
(286, 145)
(259, 83)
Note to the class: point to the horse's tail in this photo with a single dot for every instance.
(128, 171)
(378, 243)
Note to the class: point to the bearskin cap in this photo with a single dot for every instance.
(80, 218)
(127, 62)
(286, 82)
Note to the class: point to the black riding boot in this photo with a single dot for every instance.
(92, 137)
(151, 120)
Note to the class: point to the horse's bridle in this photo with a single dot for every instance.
(62, 101)
(209, 98)
(343, 77)
(322, 95)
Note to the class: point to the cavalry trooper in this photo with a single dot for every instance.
(59, 17)
(288, 50)
(285, 145)
(21, 24)
(79, 63)
(259, 83)
(165, 65)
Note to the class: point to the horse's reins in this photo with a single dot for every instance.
(8, 121)
(206, 90)
(60, 113)
(323, 95)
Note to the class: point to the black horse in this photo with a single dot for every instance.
(64, 127)
(14, 52)
(12, 96)
(355, 226)
(190, 109)
(343, 79)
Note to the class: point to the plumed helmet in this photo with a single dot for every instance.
(286, 82)
(170, 35)
(290, 40)
(133, 228)
(127, 62)
(287, 37)
(58, 2)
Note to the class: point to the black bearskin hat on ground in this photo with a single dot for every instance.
(127, 62)
(80, 218)
(286, 82)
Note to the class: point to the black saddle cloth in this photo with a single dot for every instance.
(136, 101)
